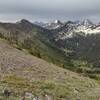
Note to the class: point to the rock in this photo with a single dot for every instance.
(29, 95)
(43, 97)
(48, 97)
(36, 98)
(6, 92)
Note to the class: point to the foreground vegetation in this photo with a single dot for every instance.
(24, 75)
(44, 89)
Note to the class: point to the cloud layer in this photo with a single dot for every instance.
(11, 10)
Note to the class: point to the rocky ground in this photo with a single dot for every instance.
(25, 77)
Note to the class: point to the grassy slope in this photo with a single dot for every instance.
(21, 72)
(34, 39)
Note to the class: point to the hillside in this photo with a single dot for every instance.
(25, 35)
(22, 72)
(81, 39)
(69, 46)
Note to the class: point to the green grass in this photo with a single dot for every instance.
(58, 90)
(16, 84)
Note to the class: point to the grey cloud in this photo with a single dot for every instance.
(49, 9)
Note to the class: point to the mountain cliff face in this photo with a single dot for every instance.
(84, 28)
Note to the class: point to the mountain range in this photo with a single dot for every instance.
(79, 39)
(70, 42)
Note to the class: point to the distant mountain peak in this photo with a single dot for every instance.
(57, 21)
(53, 24)
(87, 22)
(24, 21)
(39, 23)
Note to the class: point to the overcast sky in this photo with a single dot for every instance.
(46, 10)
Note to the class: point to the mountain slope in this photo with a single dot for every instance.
(35, 39)
(69, 46)
(80, 39)
(24, 73)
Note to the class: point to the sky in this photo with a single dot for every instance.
(48, 10)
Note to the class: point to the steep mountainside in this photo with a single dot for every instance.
(35, 39)
(80, 42)
(74, 45)
(27, 76)
(81, 39)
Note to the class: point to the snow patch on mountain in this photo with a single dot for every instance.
(70, 29)
(53, 25)
(83, 28)
(88, 30)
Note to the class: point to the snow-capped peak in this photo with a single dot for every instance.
(53, 25)
(83, 28)
(57, 21)
(87, 22)
(87, 27)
